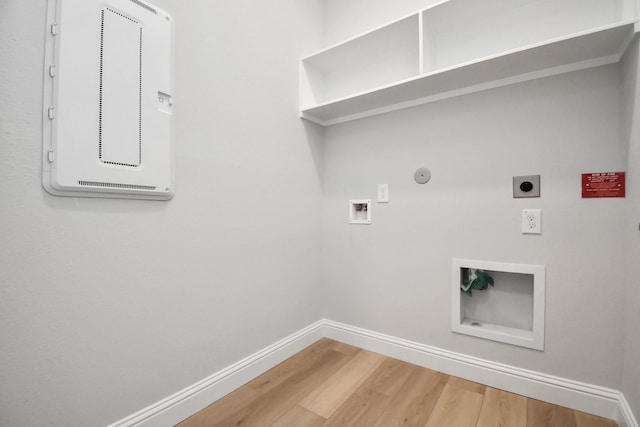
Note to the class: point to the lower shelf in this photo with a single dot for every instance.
(478, 328)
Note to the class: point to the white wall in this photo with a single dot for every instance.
(107, 306)
(631, 370)
(394, 275)
(344, 19)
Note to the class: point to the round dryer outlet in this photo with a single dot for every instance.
(422, 175)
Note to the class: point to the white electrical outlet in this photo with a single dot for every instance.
(383, 193)
(531, 221)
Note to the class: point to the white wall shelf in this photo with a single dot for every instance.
(512, 311)
(459, 47)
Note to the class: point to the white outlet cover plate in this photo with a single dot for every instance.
(531, 221)
(383, 193)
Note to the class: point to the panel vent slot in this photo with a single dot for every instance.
(120, 90)
(114, 185)
(145, 6)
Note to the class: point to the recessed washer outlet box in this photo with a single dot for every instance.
(360, 211)
(108, 100)
(526, 186)
(510, 311)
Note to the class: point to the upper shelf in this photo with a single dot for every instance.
(459, 47)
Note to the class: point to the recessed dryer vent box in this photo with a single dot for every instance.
(360, 211)
(108, 100)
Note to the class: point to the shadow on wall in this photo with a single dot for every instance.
(315, 138)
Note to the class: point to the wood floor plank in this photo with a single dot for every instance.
(299, 417)
(413, 403)
(466, 385)
(285, 370)
(221, 408)
(542, 414)
(325, 399)
(456, 407)
(347, 349)
(389, 377)
(365, 389)
(272, 405)
(502, 409)
(587, 420)
(362, 409)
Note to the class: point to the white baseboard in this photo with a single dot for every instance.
(192, 399)
(626, 418)
(584, 397)
(589, 398)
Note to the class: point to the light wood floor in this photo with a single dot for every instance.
(334, 384)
